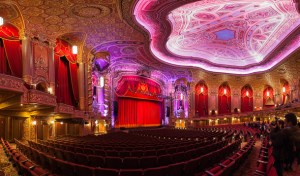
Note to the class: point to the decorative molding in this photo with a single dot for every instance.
(11, 83)
(78, 114)
(64, 109)
(43, 98)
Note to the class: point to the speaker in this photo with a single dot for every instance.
(116, 108)
(168, 111)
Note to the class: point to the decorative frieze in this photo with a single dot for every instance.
(11, 83)
(39, 97)
(65, 109)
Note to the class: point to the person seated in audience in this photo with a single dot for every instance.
(291, 136)
(276, 138)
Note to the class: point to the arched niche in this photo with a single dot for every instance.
(246, 98)
(201, 99)
(224, 99)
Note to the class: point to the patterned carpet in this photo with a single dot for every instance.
(249, 166)
(6, 168)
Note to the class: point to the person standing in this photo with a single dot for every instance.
(291, 136)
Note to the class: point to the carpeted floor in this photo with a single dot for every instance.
(249, 166)
(6, 168)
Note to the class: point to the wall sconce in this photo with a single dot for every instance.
(247, 93)
(283, 89)
(74, 49)
(201, 89)
(61, 123)
(181, 96)
(1, 21)
(225, 91)
(52, 122)
(268, 93)
(101, 81)
(34, 122)
(50, 90)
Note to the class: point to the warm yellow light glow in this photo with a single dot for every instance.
(201, 89)
(74, 49)
(34, 123)
(61, 123)
(21, 104)
(283, 89)
(52, 122)
(50, 90)
(225, 91)
(101, 81)
(96, 122)
(268, 93)
(1, 21)
(247, 93)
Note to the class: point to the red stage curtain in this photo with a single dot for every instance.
(14, 56)
(9, 32)
(224, 100)
(136, 112)
(4, 67)
(63, 82)
(138, 87)
(201, 100)
(246, 100)
(268, 101)
(74, 81)
(139, 102)
(63, 53)
(10, 51)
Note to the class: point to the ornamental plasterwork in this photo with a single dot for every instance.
(41, 98)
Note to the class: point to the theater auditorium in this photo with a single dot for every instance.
(149, 87)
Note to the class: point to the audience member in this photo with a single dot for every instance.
(276, 137)
(291, 139)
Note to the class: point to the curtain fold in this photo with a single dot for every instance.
(224, 100)
(138, 113)
(4, 67)
(201, 100)
(14, 56)
(74, 81)
(246, 100)
(63, 81)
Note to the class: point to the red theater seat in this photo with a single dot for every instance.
(106, 172)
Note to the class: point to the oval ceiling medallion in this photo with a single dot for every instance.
(90, 11)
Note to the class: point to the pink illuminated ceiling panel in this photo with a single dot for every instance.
(239, 36)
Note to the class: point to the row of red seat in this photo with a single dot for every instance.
(117, 162)
(56, 148)
(120, 141)
(227, 166)
(266, 160)
(23, 164)
(58, 166)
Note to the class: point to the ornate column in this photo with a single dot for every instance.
(27, 59)
(192, 100)
(81, 83)
(51, 67)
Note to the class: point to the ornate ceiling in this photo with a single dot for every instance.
(241, 36)
(117, 27)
